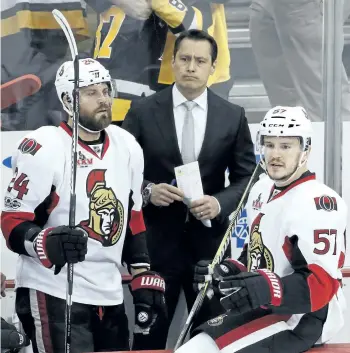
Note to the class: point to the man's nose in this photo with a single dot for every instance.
(104, 99)
(276, 152)
(191, 65)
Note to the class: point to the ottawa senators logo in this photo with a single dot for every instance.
(29, 146)
(326, 203)
(259, 256)
(106, 212)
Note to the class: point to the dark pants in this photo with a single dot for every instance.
(157, 337)
(94, 328)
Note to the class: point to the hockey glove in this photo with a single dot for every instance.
(11, 339)
(60, 245)
(250, 290)
(148, 289)
(203, 273)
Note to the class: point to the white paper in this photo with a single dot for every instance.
(188, 179)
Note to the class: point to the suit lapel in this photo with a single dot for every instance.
(210, 128)
(166, 123)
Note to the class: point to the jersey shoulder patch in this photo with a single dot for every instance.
(35, 140)
(326, 203)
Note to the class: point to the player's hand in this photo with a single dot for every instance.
(148, 289)
(250, 290)
(61, 245)
(204, 273)
(138, 9)
(205, 208)
(3, 284)
(11, 339)
(165, 194)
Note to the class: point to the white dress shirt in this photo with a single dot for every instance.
(199, 114)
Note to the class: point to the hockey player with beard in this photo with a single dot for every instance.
(284, 293)
(109, 230)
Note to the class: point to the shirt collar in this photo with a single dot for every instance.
(179, 99)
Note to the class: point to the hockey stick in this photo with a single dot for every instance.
(72, 202)
(225, 242)
(15, 90)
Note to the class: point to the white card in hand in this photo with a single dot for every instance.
(188, 179)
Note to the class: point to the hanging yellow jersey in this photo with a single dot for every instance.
(201, 15)
(34, 15)
(138, 53)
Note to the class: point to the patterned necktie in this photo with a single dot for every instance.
(187, 145)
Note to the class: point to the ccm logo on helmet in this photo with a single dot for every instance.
(276, 125)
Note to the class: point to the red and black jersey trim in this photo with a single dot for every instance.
(17, 227)
(307, 176)
(135, 246)
(83, 144)
(310, 287)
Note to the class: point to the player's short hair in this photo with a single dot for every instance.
(196, 34)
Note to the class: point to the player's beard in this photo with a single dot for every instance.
(96, 121)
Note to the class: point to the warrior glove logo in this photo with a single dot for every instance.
(151, 281)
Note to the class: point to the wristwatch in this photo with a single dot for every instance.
(146, 194)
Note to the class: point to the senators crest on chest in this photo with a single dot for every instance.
(259, 256)
(106, 212)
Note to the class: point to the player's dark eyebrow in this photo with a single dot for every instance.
(196, 57)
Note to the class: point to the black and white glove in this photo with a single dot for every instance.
(250, 290)
(11, 339)
(203, 273)
(147, 289)
(60, 245)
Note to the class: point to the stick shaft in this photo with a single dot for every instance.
(225, 242)
(72, 201)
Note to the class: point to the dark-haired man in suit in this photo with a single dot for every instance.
(184, 123)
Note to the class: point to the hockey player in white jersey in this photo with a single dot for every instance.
(284, 292)
(109, 225)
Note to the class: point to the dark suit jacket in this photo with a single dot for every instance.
(227, 144)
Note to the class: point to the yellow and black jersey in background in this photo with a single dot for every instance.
(37, 15)
(138, 53)
(32, 42)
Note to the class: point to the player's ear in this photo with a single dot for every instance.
(67, 101)
(213, 66)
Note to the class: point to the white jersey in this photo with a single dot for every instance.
(301, 228)
(109, 179)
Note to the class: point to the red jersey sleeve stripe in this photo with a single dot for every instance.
(322, 287)
(137, 224)
(10, 220)
(249, 328)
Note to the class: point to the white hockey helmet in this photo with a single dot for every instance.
(290, 122)
(286, 121)
(90, 72)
